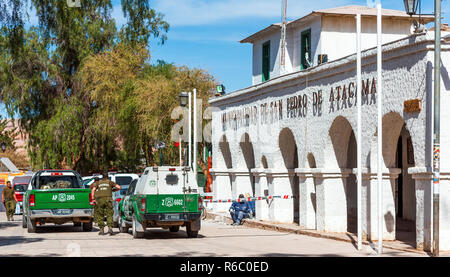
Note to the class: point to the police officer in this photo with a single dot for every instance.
(96, 179)
(102, 193)
(9, 201)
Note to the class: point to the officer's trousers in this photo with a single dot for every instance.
(10, 206)
(104, 208)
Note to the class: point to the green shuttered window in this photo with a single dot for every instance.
(266, 61)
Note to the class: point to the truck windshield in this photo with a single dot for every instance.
(20, 187)
(58, 182)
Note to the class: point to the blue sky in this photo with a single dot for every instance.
(206, 33)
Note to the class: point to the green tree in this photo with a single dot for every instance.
(38, 70)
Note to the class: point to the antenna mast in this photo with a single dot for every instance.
(283, 36)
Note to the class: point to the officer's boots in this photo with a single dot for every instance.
(102, 231)
(110, 231)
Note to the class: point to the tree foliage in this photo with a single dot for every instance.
(84, 90)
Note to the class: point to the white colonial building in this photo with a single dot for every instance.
(294, 133)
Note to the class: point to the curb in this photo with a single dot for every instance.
(251, 223)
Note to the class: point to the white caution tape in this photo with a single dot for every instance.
(249, 199)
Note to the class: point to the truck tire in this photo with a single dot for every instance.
(136, 234)
(122, 226)
(24, 221)
(174, 229)
(192, 233)
(87, 226)
(31, 225)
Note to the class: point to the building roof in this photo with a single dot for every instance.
(345, 11)
(9, 165)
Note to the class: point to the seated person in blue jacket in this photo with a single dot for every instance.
(251, 205)
(239, 210)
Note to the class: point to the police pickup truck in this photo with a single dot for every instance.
(57, 196)
(164, 196)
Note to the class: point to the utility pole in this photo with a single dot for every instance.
(436, 123)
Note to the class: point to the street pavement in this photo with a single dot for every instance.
(216, 239)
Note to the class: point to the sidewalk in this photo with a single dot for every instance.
(293, 228)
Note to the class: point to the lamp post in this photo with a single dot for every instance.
(183, 99)
(411, 8)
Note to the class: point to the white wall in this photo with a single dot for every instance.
(274, 57)
(331, 35)
(339, 34)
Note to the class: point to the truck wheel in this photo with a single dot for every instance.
(31, 225)
(87, 226)
(136, 234)
(24, 221)
(174, 229)
(122, 226)
(193, 233)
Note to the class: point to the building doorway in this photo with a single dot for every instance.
(405, 200)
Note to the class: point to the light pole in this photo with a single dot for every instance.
(183, 103)
(411, 8)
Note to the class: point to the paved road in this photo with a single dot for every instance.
(216, 240)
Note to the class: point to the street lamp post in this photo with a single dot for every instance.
(411, 8)
(183, 103)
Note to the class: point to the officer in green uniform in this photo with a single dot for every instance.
(9, 201)
(96, 179)
(102, 193)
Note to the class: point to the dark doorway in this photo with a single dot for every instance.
(405, 197)
(351, 186)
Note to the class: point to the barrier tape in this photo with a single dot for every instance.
(250, 199)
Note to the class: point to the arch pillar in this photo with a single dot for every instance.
(279, 184)
(389, 175)
(331, 199)
(308, 198)
(241, 182)
(221, 188)
(261, 190)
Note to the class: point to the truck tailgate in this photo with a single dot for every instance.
(62, 199)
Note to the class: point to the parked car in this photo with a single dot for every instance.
(164, 197)
(88, 182)
(122, 179)
(57, 196)
(20, 185)
(118, 196)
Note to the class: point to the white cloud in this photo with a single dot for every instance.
(198, 12)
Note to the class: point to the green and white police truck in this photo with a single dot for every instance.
(57, 196)
(164, 196)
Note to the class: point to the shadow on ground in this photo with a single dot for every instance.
(11, 240)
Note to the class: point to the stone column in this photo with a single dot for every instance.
(365, 207)
(221, 188)
(331, 199)
(280, 210)
(261, 206)
(423, 177)
(242, 182)
(388, 182)
(307, 198)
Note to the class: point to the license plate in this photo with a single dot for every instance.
(173, 216)
(62, 212)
